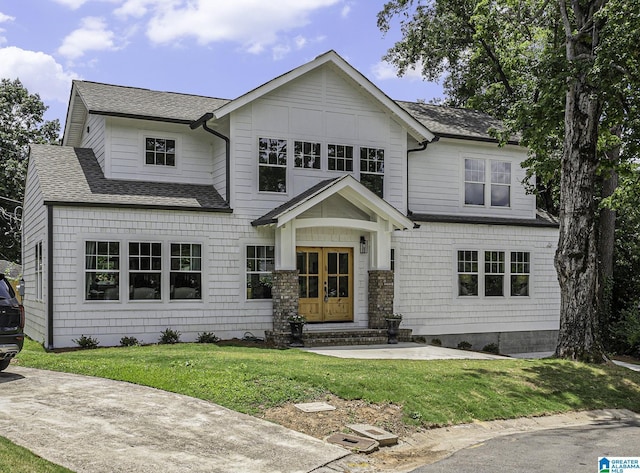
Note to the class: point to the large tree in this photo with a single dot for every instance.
(21, 123)
(562, 74)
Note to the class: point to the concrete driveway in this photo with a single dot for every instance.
(97, 425)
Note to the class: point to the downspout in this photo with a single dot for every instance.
(50, 277)
(422, 147)
(227, 142)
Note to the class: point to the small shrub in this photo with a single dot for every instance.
(464, 345)
(436, 341)
(129, 342)
(169, 337)
(207, 337)
(492, 348)
(86, 343)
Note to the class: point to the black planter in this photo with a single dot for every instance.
(392, 330)
(296, 334)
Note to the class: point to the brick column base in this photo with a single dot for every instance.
(380, 297)
(285, 298)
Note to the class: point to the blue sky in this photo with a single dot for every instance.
(218, 48)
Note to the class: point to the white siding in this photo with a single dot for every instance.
(426, 280)
(94, 136)
(125, 152)
(436, 179)
(318, 107)
(34, 231)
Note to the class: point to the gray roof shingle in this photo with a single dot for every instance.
(132, 101)
(73, 176)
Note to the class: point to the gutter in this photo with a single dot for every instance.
(202, 121)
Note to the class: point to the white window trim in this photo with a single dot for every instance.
(246, 272)
(39, 271)
(83, 270)
(488, 161)
(286, 167)
(201, 271)
(158, 168)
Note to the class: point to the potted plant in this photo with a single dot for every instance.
(393, 322)
(296, 322)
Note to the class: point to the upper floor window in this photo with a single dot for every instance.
(272, 165)
(340, 157)
(306, 155)
(145, 270)
(372, 170)
(475, 183)
(102, 270)
(160, 151)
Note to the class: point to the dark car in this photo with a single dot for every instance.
(11, 323)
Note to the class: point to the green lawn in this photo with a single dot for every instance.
(431, 393)
(14, 459)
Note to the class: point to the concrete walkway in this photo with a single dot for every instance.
(403, 351)
(96, 425)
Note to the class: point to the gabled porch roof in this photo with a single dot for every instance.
(350, 189)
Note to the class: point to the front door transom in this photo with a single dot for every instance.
(325, 283)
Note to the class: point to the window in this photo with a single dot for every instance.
(372, 170)
(160, 151)
(186, 271)
(474, 178)
(500, 184)
(272, 165)
(260, 264)
(38, 272)
(393, 259)
(340, 158)
(102, 270)
(475, 184)
(145, 270)
(520, 273)
(494, 273)
(306, 155)
(467, 273)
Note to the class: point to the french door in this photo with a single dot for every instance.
(325, 284)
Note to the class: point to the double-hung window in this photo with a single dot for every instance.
(474, 181)
(372, 170)
(260, 265)
(102, 270)
(494, 273)
(477, 180)
(272, 165)
(160, 151)
(145, 270)
(491, 278)
(520, 268)
(500, 184)
(467, 273)
(340, 157)
(306, 155)
(186, 271)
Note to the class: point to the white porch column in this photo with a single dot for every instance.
(285, 250)
(380, 247)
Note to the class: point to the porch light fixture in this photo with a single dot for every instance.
(21, 288)
(363, 246)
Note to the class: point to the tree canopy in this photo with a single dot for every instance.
(562, 74)
(21, 123)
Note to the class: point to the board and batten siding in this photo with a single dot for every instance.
(94, 137)
(223, 309)
(436, 179)
(34, 232)
(322, 107)
(125, 155)
(426, 280)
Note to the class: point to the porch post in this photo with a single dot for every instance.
(285, 298)
(380, 296)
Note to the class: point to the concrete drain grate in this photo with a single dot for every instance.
(315, 407)
(383, 437)
(353, 442)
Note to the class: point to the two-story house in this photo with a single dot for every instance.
(313, 193)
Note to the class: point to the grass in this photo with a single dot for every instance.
(17, 459)
(432, 393)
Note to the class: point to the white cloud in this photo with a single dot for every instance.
(73, 4)
(255, 24)
(4, 19)
(385, 71)
(346, 9)
(92, 35)
(38, 72)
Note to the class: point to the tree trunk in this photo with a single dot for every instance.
(576, 258)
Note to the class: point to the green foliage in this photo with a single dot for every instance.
(169, 336)
(21, 123)
(207, 337)
(129, 342)
(18, 459)
(436, 341)
(438, 392)
(491, 348)
(87, 343)
(464, 345)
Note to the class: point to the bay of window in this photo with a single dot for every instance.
(372, 170)
(272, 165)
(186, 271)
(340, 158)
(467, 273)
(145, 270)
(102, 270)
(260, 265)
(160, 151)
(306, 155)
